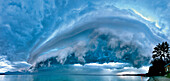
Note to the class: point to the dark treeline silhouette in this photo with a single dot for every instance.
(161, 57)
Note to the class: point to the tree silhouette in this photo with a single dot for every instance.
(167, 51)
(161, 51)
(161, 57)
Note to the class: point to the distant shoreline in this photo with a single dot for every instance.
(11, 73)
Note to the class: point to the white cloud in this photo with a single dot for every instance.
(5, 65)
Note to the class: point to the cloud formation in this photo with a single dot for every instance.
(27, 32)
(104, 45)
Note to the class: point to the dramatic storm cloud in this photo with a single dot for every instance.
(81, 31)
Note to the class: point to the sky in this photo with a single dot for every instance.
(80, 32)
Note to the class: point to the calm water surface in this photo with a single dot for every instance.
(70, 78)
(76, 73)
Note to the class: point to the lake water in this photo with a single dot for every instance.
(70, 78)
(80, 73)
